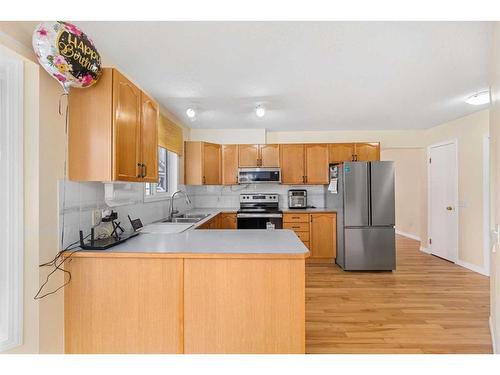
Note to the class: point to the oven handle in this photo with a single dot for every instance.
(241, 215)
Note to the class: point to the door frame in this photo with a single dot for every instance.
(457, 208)
(487, 243)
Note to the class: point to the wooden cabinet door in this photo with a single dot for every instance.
(229, 164)
(211, 164)
(269, 155)
(316, 164)
(367, 151)
(126, 129)
(292, 163)
(149, 139)
(248, 155)
(227, 221)
(339, 152)
(323, 235)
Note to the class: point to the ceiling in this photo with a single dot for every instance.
(308, 75)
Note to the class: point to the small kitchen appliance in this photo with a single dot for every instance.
(259, 211)
(259, 175)
(297, 198)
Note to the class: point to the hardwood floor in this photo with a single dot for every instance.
(428, 305)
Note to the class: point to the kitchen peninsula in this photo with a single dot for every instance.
(199, 291)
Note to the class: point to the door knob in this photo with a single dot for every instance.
(449, 208)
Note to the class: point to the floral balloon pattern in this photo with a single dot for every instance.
(67, 54)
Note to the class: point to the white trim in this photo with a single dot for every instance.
(12, 161)
(492, 333)
(408, 235)
(457, 208)
(472, 267)
(486, 204)
(426, 250)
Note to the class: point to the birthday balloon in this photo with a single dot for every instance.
(67, 54)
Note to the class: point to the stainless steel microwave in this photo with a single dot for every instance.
(259, 175)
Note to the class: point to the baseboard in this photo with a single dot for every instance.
(426, 250)
(409, 235)
(492, 333)
(472, 267)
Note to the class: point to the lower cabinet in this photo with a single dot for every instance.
(318, 232)
(227, 220)
(224, 220)
(323, 236)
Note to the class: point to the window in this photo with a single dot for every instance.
(167, 177)
(11, 201)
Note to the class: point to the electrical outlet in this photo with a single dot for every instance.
(96, 217)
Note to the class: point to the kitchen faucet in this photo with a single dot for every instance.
(171, 211)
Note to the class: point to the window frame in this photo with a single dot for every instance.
(172, 179)
(12, 191)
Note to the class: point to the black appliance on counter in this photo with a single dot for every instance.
(259, 211)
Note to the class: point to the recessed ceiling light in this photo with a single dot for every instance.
(191, 113)
(479, 98)
(260, 111)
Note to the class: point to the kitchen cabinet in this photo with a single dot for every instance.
(149, 136)
(367, 151)
(340, 152)
(323, 236)
(316, 164)
(318, 232)
(112, 132)
(259, 156)
(229, 164)
(292, 163)
(202, 164)
(304, 164)
(227, 220)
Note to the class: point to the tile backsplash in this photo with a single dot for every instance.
(228, 196)
(84, 197)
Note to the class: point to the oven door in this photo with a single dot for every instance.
(259, 221)
(259, 175)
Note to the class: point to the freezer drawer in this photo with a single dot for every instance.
(370, 249)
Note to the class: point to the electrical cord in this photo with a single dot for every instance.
(57, 263)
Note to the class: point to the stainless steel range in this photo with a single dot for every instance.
(259, 211)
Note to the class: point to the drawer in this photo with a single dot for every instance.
(295, 218)
(297, 227)
(304, 236)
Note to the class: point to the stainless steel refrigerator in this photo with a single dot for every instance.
(363, 195)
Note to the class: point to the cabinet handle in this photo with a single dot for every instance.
(139, 175)
(204, 179)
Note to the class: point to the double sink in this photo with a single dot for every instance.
(186, 218)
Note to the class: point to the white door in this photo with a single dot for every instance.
(443, 191)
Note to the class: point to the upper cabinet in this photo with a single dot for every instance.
(304, 164)
(300, 163)
(229, 164)
(113, 132)
(259, 156)
(340, 152)
(316, 162)
(292, 164)
(367, 151)
(202, 164)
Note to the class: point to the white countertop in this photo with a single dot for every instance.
(161, 237)
(217, 241)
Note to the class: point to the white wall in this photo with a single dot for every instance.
(229, 136)
(411, 190)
